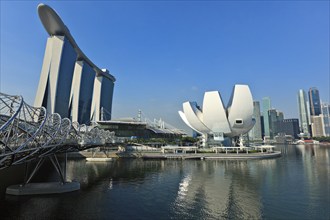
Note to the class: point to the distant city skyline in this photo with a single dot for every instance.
(165, 53)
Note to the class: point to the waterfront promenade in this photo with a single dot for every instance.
(208, 156)
(189, 153)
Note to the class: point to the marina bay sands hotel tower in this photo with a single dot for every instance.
(70, 83)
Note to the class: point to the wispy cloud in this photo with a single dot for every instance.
(194, 88)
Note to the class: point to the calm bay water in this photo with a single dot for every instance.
(294, 186)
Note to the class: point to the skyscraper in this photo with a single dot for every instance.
(314, 101)
(70, 83)
(288, 127)
(317, 125)
(326, 118)
(274, 117)
(255, 133)
(265, 108)
(303, 112)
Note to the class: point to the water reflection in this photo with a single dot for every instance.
(215, 189)
(183, 188)
(315, 167)
(295, 186)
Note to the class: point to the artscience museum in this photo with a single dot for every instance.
(215, 122)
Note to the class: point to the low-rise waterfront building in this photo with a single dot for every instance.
(130, 129)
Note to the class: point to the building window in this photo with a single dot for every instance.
(239, 121)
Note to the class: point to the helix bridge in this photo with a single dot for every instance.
(30, 134)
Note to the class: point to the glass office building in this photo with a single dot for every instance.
(314, 100)
(265, 108)
(303, 112)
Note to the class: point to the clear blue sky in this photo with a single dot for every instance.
(167, 52)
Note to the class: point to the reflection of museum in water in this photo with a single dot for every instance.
(221, 188)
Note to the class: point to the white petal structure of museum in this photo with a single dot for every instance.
(217, 120)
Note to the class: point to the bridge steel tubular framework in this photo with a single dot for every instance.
(31, 133)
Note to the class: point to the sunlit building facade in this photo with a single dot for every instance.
(70, 83)
(317, 126)
(303, 113)
(214, 121)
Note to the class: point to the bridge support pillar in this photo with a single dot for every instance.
(28, 188)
